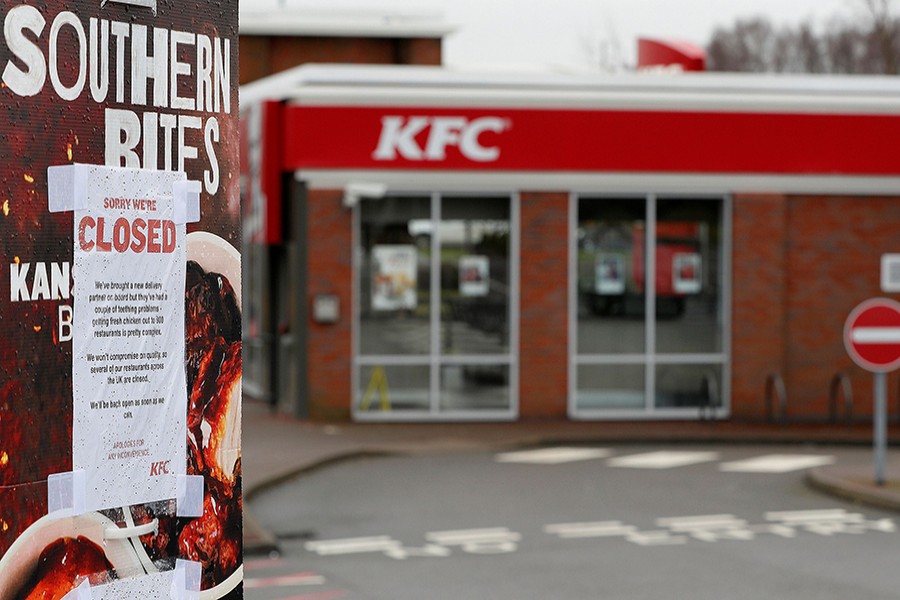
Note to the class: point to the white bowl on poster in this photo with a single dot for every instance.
(19, 562)
(216, 255)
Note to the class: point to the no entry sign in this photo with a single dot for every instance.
(872, 335)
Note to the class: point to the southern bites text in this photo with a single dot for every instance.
(134, 65)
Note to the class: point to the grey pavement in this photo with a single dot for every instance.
(278, 447)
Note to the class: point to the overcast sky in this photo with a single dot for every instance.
(571, 33)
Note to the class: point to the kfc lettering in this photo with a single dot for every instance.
(159, 468)
(402, 136)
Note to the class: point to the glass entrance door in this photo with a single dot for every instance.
(434, 312)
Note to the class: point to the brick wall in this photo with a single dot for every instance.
(835, 252)
(264, 55)
(800, 266)
(759, 288)
(330, 269)
(543, 384)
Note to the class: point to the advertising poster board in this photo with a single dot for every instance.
(394, 277)
(474, 275)
(610, 274)
(687, 273)
(143, 320)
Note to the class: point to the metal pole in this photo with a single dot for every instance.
(880, 426)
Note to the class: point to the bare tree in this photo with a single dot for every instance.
(749, 45)
(870, 44)
(885, 34)
(604, 51)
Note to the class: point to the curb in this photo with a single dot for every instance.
(260, 541)
(857, 485)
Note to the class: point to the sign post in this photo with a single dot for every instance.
(872, 339)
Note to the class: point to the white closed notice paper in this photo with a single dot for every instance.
(129, 389)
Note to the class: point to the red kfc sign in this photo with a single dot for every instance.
(585, 140)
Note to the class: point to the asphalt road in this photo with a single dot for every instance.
(622, 522)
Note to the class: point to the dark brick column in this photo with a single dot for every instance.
(543, 381)
(759, 295)
(329, 243)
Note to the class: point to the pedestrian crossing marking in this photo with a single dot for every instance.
(777, 463)
(666, 459)
(552, 456)
(663, 459)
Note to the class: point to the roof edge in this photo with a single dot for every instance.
(337, 23)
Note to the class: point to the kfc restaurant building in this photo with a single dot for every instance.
(464, 246)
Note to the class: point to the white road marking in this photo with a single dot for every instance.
(380, 543)
(777, 463)
(297, 579)
(552, 456)
(709, 528)
(678, 530)
(656, 538)
(494, 540)
(464, 536)
(875, 335)
(591, 529)
(700, 522)
(663, 459)
(804, 516)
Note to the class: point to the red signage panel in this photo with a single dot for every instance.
(872, 335)
(261, 143)
(325, 137)
(664, 53)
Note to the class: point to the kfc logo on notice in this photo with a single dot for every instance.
(159, 468)
(427, 138)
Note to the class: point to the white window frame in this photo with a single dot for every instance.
(435, 360)
(649, 358)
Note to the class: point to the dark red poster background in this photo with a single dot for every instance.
(42, 130)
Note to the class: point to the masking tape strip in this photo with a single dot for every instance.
(187, 201)
(186, 580)
(66, 494)
(67, 187)
(82, 592)
(189, 495)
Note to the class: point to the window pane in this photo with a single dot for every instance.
(611, 244)
(688, 282)
(474, 236)
(474, 387)
(610, 387)
(679, 386)
(393, 389)
(394, 277)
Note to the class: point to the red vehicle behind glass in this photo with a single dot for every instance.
(612, 269)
